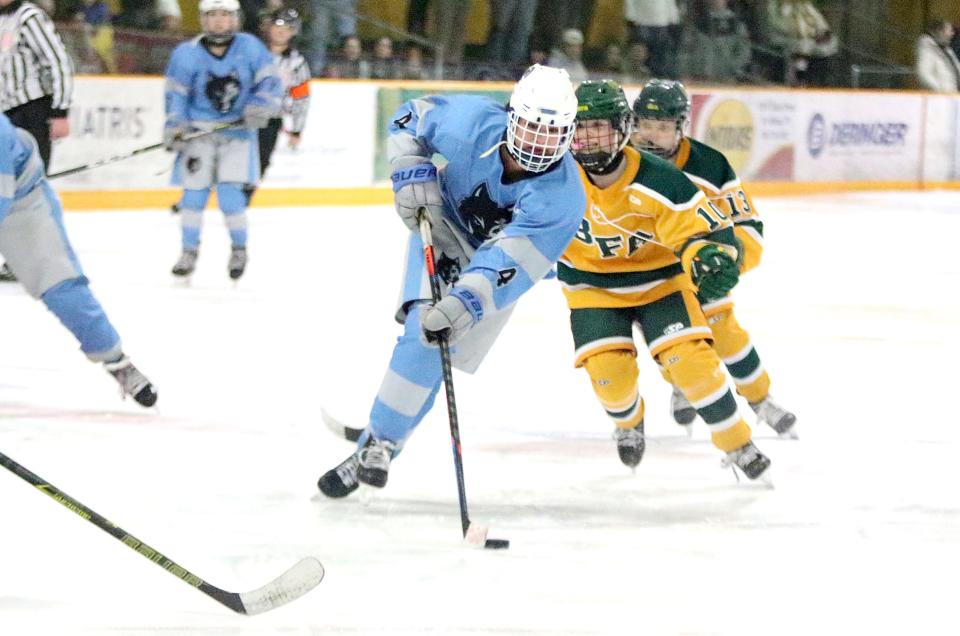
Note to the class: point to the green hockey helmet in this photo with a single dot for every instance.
(661, 100)
(604, 123)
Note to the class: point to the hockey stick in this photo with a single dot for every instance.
(292, 584)
(140, 151)
(340, 429)
(475, 535)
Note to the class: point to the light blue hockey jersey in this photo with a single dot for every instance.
(203, 90)
(521, 228)
(20, 166)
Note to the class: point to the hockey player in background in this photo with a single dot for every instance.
(282, 26)
(219, 77)
(502, 210)
(35, 243)
(648, 241)
(662, 111)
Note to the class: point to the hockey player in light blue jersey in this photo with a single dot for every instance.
(35, 244)
(503, 209)
(219, 77)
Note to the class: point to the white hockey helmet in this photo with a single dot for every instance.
(542, 114)
(219, 5)
(206, 6)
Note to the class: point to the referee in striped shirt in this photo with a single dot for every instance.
(37, 73)
(37, 78)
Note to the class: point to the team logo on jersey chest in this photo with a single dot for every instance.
(482, 215)
(223, 90)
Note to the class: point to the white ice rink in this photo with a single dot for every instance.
(855, 313)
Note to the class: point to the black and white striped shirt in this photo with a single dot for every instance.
(33, 60)
(295, 77)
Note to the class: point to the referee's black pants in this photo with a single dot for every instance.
(34, 117)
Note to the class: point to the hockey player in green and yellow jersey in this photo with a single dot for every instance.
(661, 113)
(648, 241)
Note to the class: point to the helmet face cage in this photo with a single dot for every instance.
(537, 145)
(649, 146)
(597, 149)
(662, 100)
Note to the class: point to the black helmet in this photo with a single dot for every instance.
(286, 17)
(664, 100)
(602, 100)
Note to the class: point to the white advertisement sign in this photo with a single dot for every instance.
(859, 137)
(114, 116)
(111, 117)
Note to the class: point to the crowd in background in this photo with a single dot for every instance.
(715, 41)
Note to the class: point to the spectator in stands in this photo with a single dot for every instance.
(719, 43)
(417, 17)
(413, 68)
(569, 55)
(150, 15)
(349, 63)
(95, 16)
(451, 28)
(553, 17)
(805, 37)
(612, 63)
(938, 68)
(327, 21)
(656, 23)
(510, 34)
(620, 68)
(383, 65)
(635, 69)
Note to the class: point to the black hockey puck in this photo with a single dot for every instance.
(496, 544)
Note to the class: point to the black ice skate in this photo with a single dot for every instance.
(342, 480)
(749, 459)
(186, 264)
(630, 444)
(778, 418)
(7, 275)
(682, 411)
(375, 462)
(237, 262)
(131, 381)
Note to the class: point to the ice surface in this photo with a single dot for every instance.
(855, 313)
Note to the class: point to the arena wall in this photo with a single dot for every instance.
(781, 141)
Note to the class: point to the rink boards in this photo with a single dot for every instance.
(781, 141)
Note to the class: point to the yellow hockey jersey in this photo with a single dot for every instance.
(713, 174)
(638, 233)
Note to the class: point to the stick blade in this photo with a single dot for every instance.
(340, 429)
(476, 535)
(305, 575)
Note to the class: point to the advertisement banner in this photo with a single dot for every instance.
(114, 116)
(754, 129)
(859, 137)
